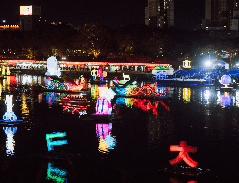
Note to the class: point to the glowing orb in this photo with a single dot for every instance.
(226, 79)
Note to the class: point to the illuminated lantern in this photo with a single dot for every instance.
(100, 74)
(126, 77)
(186, 64)
(52, 69)
(109, 94)
(103, 106)
(104, 74)
(82, 79)
(51, 143)
(94, 73)
(9, 115)
(102, 90)
(226, 80)
(183, 154)
(148, 90)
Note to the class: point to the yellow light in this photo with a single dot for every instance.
(187, 64)
(103, 146)
(186, 94)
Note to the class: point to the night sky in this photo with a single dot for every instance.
(188, 13)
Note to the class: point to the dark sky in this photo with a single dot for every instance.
(108, 12)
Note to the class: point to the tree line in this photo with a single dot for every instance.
(98, 41)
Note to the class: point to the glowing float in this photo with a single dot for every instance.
(226, 80)
(183, 154)
(52, 68)
(51, 143)
(103, 107)
(94, 74)
(148, 90)
(9, 115)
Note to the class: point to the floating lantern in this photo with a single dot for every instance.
(186, 64)
(94, 74)
(52, 69)
(226, 80)
(103, 106)
(9, 115)
(51, 143)
(183, 154)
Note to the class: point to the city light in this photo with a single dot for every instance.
(208, 63)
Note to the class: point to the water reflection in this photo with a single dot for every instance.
(24, 79)
(25, 108)
(226, 100)
(237, 98)
(202, 115)
(56, 174)
(94, 91)
(144, 104)
(105, 138)
(0, 91)
(177, 180)
(53, 98)
(207, 94)
(186, 94)
(10, 142)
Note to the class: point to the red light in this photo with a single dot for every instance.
(174, 180)
(148, 90)
(183, 155)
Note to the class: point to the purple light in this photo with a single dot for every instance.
(226, 100)
(226, 79)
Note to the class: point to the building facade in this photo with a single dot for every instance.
(221, 15)
(160, 13)
(30, 17)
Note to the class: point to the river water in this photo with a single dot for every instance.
(83, 137)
